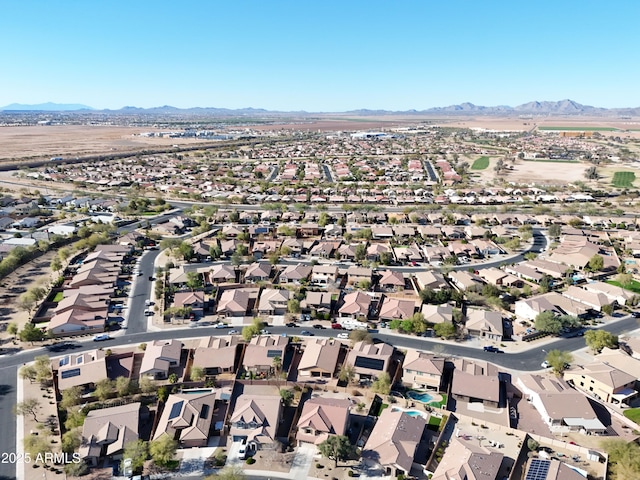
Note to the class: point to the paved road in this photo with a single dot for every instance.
(7, 419)
(141, 291)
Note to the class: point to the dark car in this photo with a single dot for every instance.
(291, 325)
(491, 349)
(307, 333)
(317, 326)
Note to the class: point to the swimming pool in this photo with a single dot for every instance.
(411, 413)
(419, 396)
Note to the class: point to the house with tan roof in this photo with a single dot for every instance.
(235, 302)
(273, 301)
(216, 354)
(81, 369)
(78, 322)
(396, 308)
(465, 460)
(561, 407)
(375, 250)
(221, 273)
(186, 418)
(258, 272)
(422, 370)
(485, 324)
(255, 419)
(431, 279)
(391, 280)
(370, 359)
(321, 418)
(295, 274)
(317, 301)
(615, 294)
(322, 274)
(77, 300)
(357, 274)
(320, 358)
(437, 313)
(192, 300)
(593, 300)
(465, 281)
(260, 352)
(393, 442)
(500, 278)
(602, 381)
(476, 381)
(106, 431)
(355, 305)
(159, 357)
(621, 360)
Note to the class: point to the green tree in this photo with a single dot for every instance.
(55, 265)
(104, 389)
(138, 452)
(287, 396)
(123, 386)
(228, 473)
(624, 458)
(555, 230)
(36, 445)
(12, 329)
(74, 419)
(547, 322)
(382, 384)
(607, 309)
(360, 252)
(194, 281)
(625, 280)
(596, 340)
(28, 407)
(31, 333)
(173, 378)
(70, 441)
(445, 330)
(557, 359)
(197, 373)
(28, 372)
(146, 385)
(293, 305)
(70, 397)
(336, 447)
(360, 336)
(163, 450)
(163, 394)
(596, 263)
(347, 373)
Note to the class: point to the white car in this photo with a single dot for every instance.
(545, 364)
(342, 336)
(101, 338)
(233, 332)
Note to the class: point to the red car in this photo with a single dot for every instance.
(336, 326)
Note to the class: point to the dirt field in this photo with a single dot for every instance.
(534, 172)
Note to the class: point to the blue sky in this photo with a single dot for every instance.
(321, 55)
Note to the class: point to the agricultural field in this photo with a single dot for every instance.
(480, 163)
(623, 179)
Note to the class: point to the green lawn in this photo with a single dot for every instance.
(382, 407)
(551, 160)
(435, 421)
(58, 298)
(441, 403)
(634, 287)
(633, 414)
(480, 163)
(623, 179)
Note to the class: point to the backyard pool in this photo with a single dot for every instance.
(419, 396)
(411, 413)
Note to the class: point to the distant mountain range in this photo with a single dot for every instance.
(562, 107)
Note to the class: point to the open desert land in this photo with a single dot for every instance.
(531, 171)
(46, 141)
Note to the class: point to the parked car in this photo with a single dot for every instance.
(545, 364)
(233, 332)
(492, 349)
(101, 338)
(342, 336)
(307, 333)
(221, 325)
(317, 326)
(264, 332)
(242, 453)
(336, 326)
(291, 324)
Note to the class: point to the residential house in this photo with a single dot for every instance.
(552, 469)
(355, 305)
(258, 272)
(186, 418)
(216, 355)
(476, 382)
(464, 281)
(295, 274)
(317, 301)
(370, 359)
(274, 301)
(437, 313)
(391, 280)
(159, 357)
(375, 250)
(221, 273)
(321, 418)
(357, 274)
(191, 300)
(592, 299)
(324, 249)
(234, 302)
(396, 308)
(260, 352)
(255, 419)
(468, 460)
(430, 279)
(393, 442)
(615, 294)
(500, 278)
(320, 358)
(81, 369)
(485, 324)
(561, 407)
(422, 370)
(106, 431)
(604, 382)
(324, 274)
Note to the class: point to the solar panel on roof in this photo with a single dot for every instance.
(176, 408)
(73, 372)
(204, 411)
(274, 353)
(538, 469)
(370, 363)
